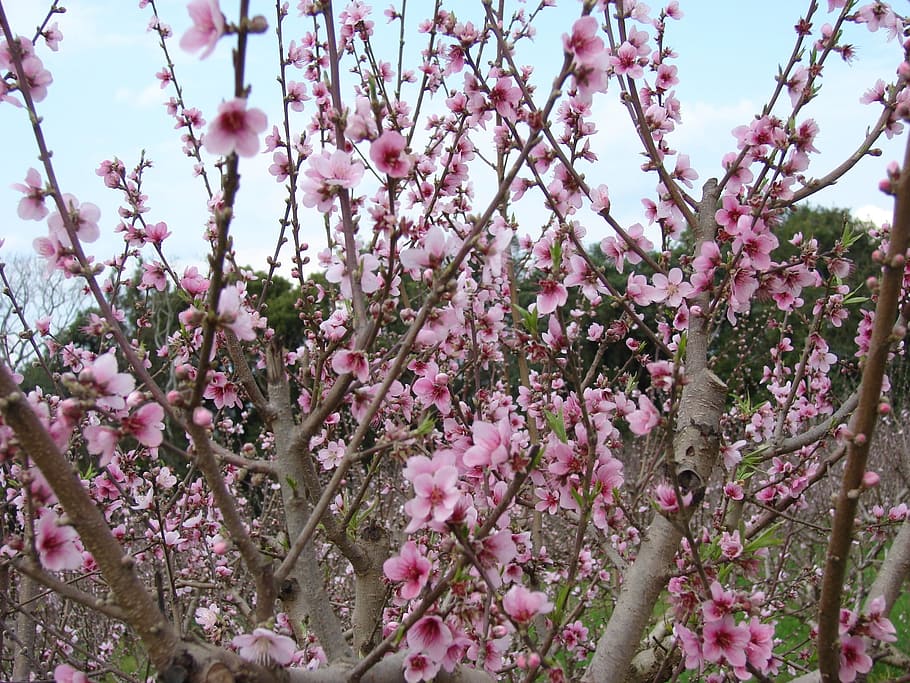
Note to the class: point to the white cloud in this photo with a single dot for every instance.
(873, 213)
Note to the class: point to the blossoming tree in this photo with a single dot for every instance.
(501, 452)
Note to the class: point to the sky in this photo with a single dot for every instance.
(105, 101)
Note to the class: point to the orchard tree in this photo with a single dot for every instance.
(446, 476)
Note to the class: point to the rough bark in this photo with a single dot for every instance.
(303, 594)
(26, 627)
(695, 450)
(370, 591)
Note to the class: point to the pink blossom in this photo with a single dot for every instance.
(410, 567)
(64, 673)
(419, 667)
(877, 624)
(101, 440)
(583, 44)
(57, 544)
(552, 295)
(761, 643)
(153, 275)
(433, 389)
(436, 495)
(853, 658)
(84, 218)
(643, 419)
(387, 152)
(146, 425)
(264, 646)
(505, 98)
(430, 636)
(327, 173)
(193, 283)
(667, 499)
(353, 362)
(112, 386)
(724, 640)
(37, 78)
(670, 288)
(491, 444)
(234, 315)
(296, 95)
(691, 646)
(235, 129)
(625, 61)
(222, 391)
(31, 206)
(731, 546)
(207, 28)
(522, 605)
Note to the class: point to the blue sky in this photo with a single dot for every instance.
(105, 101)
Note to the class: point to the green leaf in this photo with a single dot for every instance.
(426, 426)
(556, 255)
(766, 539)
(557, 424)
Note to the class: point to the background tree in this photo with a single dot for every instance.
(481, 448)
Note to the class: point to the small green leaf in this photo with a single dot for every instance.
(557, 424)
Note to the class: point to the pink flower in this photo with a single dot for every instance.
(112, 386)
(552, 295)
(433, 389)
(37, 78)
(56, 544)
(583, 44)
(262, 646)
(523, 605)
(222, 392)
(625, 61)
(410, 567)
(645, 418)
(670, 288)
(233, 315)
(491, 444)
(437, 495)
(720, 604)
(207, 28)
(353, 362)
(667, 499)
(31, 206)
(387, 152)
(691, 646)
(761, 644)
(878, 625)
(64, 673)
(725, 640)
(853, 658)
(730, 545)
(326, 175)
(84, 217)
(101, 440)
(146, 425)
(419, 667)
(430, 636)
(235, 129)
(192, 282)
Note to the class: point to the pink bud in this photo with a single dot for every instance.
(202, 417)
(870, 479)
(219, 547)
